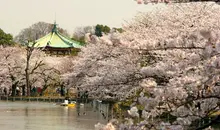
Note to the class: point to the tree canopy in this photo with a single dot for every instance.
(5, 39)
(170, 1)
(81, 33)
(166, 63)
(99, 29)
(36, 31)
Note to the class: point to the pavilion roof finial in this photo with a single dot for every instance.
(55, 18)
(55, 25)
(54, 28)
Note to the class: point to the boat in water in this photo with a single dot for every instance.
(68, 103)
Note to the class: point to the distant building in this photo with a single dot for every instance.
(57, 43)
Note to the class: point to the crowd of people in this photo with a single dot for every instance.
(19, 91)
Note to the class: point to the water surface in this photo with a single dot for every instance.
(47, 116)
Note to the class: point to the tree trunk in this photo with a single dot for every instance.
(13, 93)
(27, 72)
(23, 90)
(27, 83)
(13, 90)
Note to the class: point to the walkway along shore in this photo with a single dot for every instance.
(50, 99)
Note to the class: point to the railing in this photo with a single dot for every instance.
(32, 99)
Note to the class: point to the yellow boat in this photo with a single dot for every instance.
(69, 105)
(66, 103)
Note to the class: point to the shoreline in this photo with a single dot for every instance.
(50, 99)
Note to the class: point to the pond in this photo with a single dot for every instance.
(47, 116)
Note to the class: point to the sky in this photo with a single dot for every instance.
(16, 15)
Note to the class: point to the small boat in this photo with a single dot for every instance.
(100, 101)
(66, 103)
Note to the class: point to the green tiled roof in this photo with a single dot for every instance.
(56, 40)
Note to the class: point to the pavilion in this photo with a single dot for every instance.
(57, 43)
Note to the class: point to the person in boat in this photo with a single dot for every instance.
(66, 102)
(67, 99)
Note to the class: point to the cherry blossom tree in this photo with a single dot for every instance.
(168, 1)
(152, 1)
(168, 57)
(37, 73)
(181, 44)
(105, 67)
(11, 68)
(13, 72)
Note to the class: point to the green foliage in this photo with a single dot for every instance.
(81, 40)
(99, 29)
(120, 30)
(5, 39)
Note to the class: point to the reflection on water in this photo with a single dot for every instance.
(47, 116)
